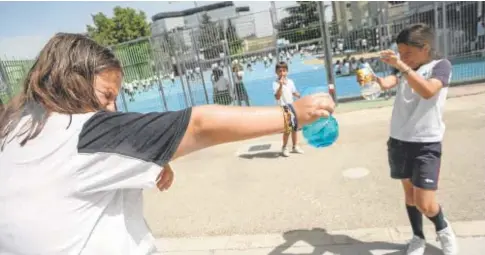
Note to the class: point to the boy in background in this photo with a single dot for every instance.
(284, 90)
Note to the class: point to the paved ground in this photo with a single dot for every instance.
(316, 241)
(225, 191)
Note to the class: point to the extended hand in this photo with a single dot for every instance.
(165, 179)
(310, 108)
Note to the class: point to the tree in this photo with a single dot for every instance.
(209, 38)
(235, 43)
(302, 24)
(126, 24)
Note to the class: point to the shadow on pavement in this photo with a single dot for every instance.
(316, 237)
(266, 154)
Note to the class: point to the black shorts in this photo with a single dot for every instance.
(419, 162)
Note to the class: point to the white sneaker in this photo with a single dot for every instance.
(298, 150)
(285, 152)
(416, 246)
(447, 238)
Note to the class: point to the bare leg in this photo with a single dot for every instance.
(286, 136)
(294, 138)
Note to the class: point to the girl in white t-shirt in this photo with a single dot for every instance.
(417, 129)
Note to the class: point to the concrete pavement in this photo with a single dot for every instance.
(336, 200)
(315, 241)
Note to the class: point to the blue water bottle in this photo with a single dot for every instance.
(323, 132)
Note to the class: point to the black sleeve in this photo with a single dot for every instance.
(442, 72)
(152, 137)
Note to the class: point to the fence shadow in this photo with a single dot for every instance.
(317, 238)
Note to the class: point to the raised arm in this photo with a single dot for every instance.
(130, 148)
(278, 89)
(426, 88)
(387, 82)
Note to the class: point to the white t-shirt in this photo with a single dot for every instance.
(76, 188)
(286, 92)
(345, 69)
(414, 118)
(222, 84)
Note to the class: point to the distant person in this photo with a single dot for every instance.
(240, 89)
(345, 69)
(362, 63)
(249, 67)
(223, 93)
(353, 65)
(417, 129)
(481, 33)
(265, 62)
(172, 77)
(284, 90)
(337, 68)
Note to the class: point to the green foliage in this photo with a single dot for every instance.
(126, 24)
(302, 24)
(210, 35)
(235, 43)
(13, 73)
(136, 60)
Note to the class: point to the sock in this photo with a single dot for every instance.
(416, 219)
(439, 221)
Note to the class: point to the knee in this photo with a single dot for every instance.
(425, 207)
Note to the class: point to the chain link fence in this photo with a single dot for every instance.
(231, 61)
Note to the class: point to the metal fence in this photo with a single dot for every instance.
(231, 61)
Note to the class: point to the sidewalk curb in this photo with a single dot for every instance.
(469, 229)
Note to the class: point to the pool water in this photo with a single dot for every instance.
(259, 85)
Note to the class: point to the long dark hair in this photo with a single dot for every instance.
(419, 35)
(61, 80)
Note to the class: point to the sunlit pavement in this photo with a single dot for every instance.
(246, 189)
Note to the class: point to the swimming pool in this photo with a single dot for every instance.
(259, 85)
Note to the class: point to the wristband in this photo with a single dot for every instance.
(406, 71)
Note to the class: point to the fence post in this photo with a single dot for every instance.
(436, 26)
(327, 51)
(196, 51)
(445, 29)
(228, 62)
(179, 72)
(157, 71)
(274, 22)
